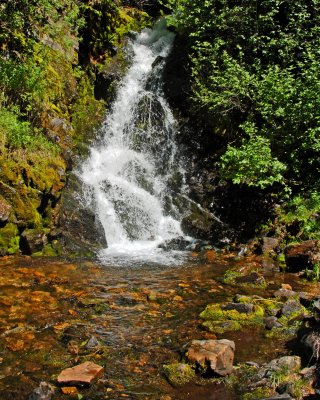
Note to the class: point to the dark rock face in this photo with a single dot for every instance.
(311, 345)
(201, 224)
(82, 232)
(302, 255)
(33, 240)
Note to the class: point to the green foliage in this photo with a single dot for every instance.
(257, 65)
(301, 216)
(252, 163)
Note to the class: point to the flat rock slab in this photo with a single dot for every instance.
(217, 355)
(80, 374)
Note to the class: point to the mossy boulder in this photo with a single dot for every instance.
(218, 318)
(179, 374)
(9, 239)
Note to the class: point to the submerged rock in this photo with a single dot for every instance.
(45, 391)
(215, 355)
(80, 374)
(252, 279)
(179, 243)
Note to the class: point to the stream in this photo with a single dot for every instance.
(143, 317)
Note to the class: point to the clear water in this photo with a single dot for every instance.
(127, 174)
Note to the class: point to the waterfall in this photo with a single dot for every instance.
(129, 175)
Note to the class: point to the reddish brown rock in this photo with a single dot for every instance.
(5, 209)
(302, 255)
(82, 373)
(217, 355)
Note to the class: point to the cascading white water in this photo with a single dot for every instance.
(127, 174)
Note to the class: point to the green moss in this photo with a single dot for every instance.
(218, 320)
(220, 327)
(9, 239)
(179, 374)
(47, 251)
(257, 393)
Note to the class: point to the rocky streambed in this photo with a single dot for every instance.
(132, 329)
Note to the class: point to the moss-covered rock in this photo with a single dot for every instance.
(219, 320)
(9, 239)
(178, 373)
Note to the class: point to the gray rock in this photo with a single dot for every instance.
(291, 307)
(272, 322)
(82, 232)
(44, 392)
(92, 343)
(284, 396)
(285, 293)
(179, 243)
(290, 363)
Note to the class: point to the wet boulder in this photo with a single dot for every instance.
(303, 255)
(201, 224)
(179, 243)
(214, 355)
(82, 232)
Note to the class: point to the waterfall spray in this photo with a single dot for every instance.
(127, 174)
